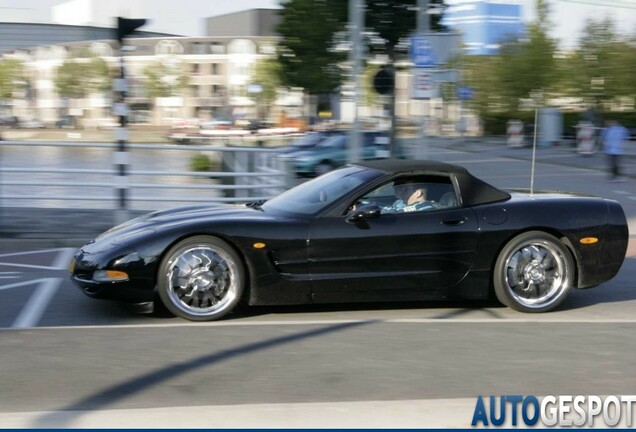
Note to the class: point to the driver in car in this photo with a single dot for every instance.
(411, 197)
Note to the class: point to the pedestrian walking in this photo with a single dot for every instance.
(613, 139)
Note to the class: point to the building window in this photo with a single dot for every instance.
(215, 68)
(241, 46)
(101, 49)
(195, 69)
(199, 48)
(217, 48)
(168, 47)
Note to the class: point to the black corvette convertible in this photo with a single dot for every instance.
(356, 234)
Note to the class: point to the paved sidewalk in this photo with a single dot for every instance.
(28, 228)
(564, 154)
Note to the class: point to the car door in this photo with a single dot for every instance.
(403, 256)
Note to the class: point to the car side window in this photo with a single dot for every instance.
(409, 194)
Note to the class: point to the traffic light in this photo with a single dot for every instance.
(126, 26)
(384, 80)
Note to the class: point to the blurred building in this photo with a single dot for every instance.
(18, 35)
(218, 66)
(484, 23)
(253, 22)
(219, 70)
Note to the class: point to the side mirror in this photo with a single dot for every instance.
(369, 211)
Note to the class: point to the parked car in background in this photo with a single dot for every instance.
(10, 122)
(331, 152)
(309, 140)
(66, 122)
(32, 124)
(216, 124)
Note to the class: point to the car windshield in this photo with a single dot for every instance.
(312, 196)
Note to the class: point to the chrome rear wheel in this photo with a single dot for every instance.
(533, 273)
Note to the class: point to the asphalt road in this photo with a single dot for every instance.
(69, 361)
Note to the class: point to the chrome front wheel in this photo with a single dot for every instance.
(201, 278)
(533, 273)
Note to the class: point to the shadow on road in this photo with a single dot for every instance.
(117, 392)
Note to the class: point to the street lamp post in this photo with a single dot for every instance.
(356, 25)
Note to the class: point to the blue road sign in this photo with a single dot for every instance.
(421, 52)
(465, 92)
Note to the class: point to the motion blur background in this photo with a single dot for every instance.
(256, 75)
(287, 63)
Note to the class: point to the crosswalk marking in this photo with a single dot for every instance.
(46, 288)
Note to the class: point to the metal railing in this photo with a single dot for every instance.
(243, 174)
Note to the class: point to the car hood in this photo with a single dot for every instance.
(164, 219)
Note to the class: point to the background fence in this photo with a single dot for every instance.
(83, 175)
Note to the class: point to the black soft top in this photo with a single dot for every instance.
(473, 191)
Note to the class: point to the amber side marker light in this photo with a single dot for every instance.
(110, 276)
(588, 240)
(259, 245)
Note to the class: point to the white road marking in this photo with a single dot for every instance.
(31, 314)
(30, 252)
(461, 162)
(38, 302)
(19, 284)
(368, 414)
(31, 266)
(432, 413)
(620, 192)
(503, 320)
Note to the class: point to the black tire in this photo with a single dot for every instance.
(534, 272)
(201, 278)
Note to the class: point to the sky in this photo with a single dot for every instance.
(186, 17)
(569, 16)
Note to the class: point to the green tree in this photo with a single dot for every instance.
(601, 70)
(524, 70)
(313, 32)
(307, 50)
(526, 67)
(81, 76)
(267, 74)
(164, 79)
(12, 77)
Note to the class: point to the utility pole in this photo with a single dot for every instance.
(423, 27)
(356, 24)
(423, 23)
(125, 27)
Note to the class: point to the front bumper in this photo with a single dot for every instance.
(136, 289)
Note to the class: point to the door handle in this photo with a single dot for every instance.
(454, 222)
